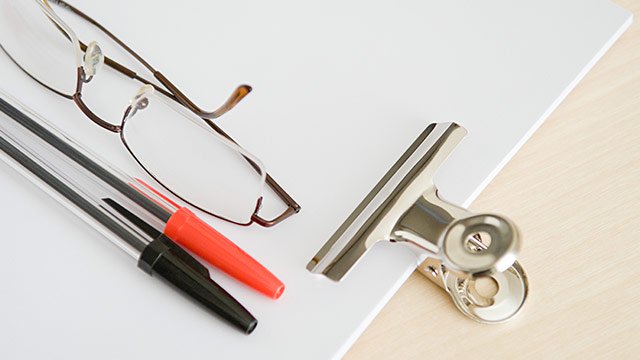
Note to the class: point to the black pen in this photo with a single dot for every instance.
(112, 214)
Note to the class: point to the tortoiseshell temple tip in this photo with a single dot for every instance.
(238, 94)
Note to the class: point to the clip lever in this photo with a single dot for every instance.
(463, 249)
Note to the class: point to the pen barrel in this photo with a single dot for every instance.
(188, 230)
(164, 259)
(24, 148)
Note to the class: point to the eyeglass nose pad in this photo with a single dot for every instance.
(140, 100)
(92, 61)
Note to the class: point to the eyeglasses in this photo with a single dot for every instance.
(172, 139)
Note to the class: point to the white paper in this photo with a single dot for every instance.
(340, 91)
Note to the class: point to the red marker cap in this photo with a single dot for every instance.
(188, 230)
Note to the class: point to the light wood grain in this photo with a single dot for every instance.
(574, 190)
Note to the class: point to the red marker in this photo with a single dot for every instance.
(188, 230)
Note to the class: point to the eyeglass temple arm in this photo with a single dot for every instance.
(236, 96)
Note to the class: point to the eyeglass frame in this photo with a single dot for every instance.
(172, 93)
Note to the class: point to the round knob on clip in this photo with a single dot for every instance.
(469, 255)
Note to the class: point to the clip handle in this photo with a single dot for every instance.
(404, 207)
(375, 217)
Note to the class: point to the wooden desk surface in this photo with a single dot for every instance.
(574, 191)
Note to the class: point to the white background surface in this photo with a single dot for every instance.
(341, 89)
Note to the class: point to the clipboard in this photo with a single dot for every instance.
(341, 90)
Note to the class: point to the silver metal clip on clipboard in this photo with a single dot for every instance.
(462, 248)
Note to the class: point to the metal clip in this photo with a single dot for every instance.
(463, 249)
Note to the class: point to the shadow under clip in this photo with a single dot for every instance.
(471, 256)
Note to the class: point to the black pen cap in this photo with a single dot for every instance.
(166, 259)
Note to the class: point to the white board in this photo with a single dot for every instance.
(341, 89)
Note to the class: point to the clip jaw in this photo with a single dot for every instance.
(462, 248)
